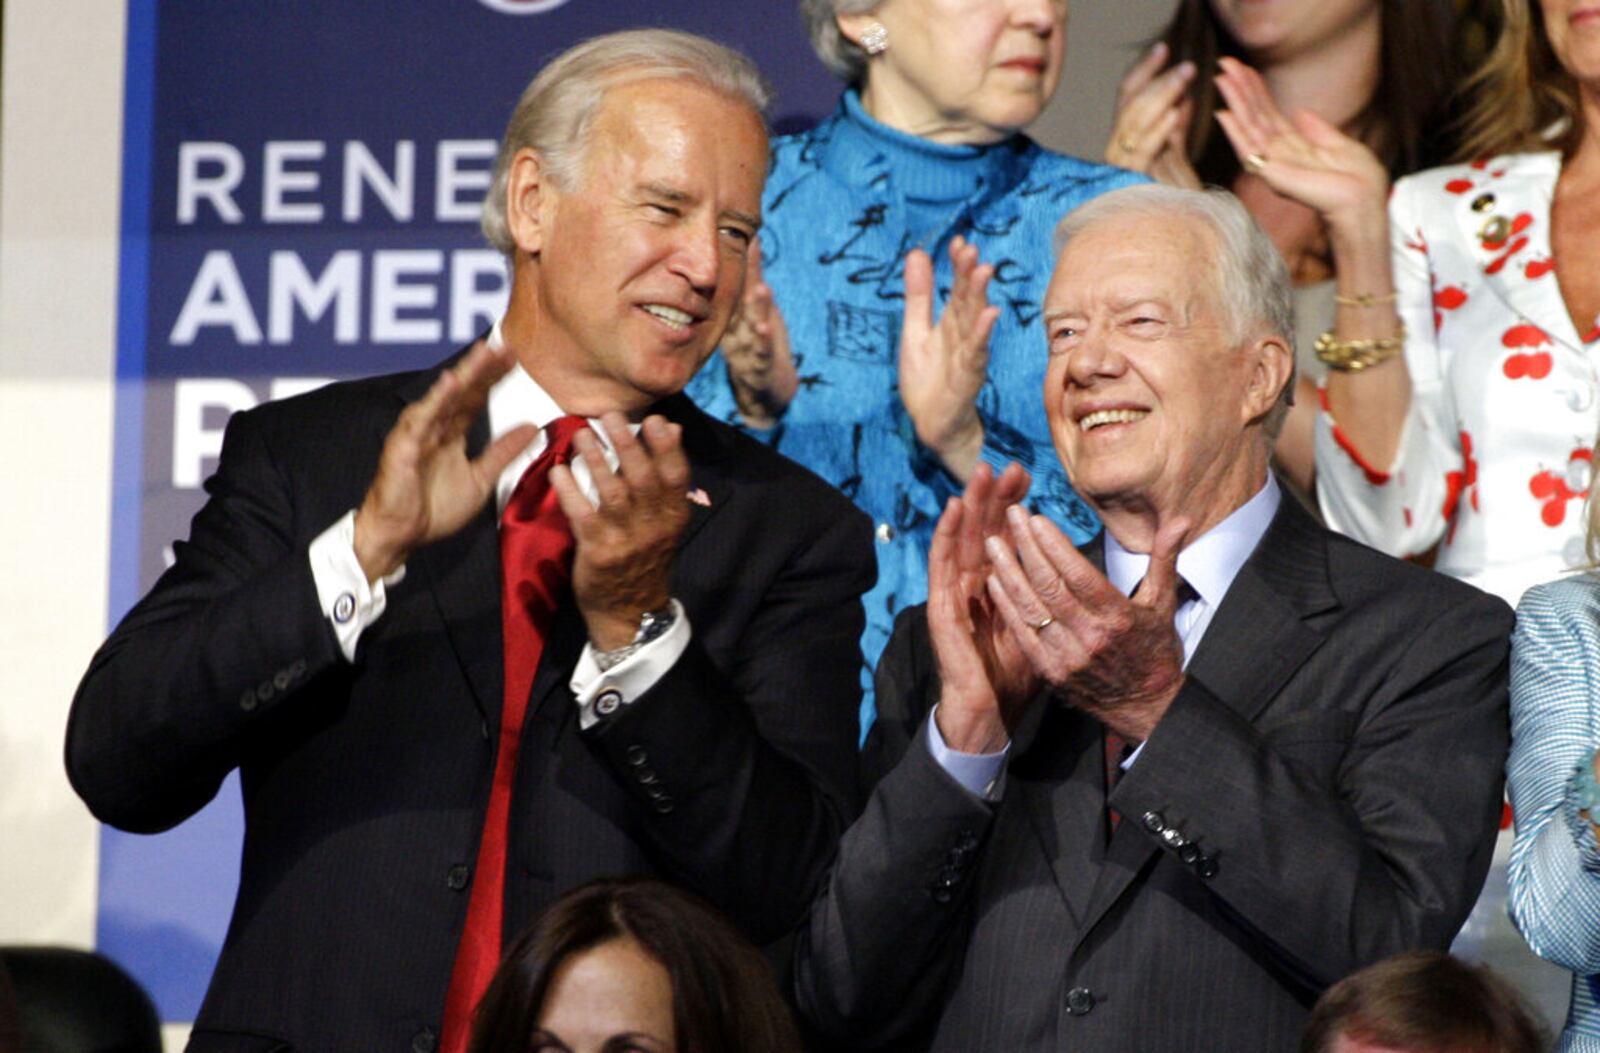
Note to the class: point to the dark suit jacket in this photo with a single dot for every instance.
(1324, 792)
(364, 783)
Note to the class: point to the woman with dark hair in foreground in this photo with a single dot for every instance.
(632, 965)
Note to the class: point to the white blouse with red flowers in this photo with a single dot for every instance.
(1494, 457)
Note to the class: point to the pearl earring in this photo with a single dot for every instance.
(875, 41)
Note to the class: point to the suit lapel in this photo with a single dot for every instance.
(1258, 638)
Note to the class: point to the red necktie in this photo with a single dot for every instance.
(535, 568)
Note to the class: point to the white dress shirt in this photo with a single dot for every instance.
(1209, 564)
(352, 604)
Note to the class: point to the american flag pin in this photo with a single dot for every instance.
(700, 497)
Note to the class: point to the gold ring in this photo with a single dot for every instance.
(1049, 620)
(1254, 163)
(1128, 145)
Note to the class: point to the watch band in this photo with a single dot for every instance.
(652, 625)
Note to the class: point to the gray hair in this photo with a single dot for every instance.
(1250, 279)
(839, 53)
(555, 113)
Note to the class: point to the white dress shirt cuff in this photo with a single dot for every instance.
(978, 773)
(348, 601)
(602, 693)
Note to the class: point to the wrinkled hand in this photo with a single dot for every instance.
(986, 680)
(1152, 120)
(944, 366)
(622, 566)
(1307, 159)
(756, 349)
(1118, 659)
(426, 487)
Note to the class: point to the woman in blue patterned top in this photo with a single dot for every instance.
(1555, 758)
(923, 161)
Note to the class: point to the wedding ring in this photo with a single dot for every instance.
(1049, 620)
(1254, 163)
(1128, 144)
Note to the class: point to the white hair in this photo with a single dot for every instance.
(1250, 281)
(843, 56)
(555, 113)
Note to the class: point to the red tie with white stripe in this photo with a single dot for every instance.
(536, 569)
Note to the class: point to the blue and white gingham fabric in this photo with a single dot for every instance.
(1555, 724)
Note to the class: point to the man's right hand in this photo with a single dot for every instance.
(985, 679)
(426, 487)
(756, 349)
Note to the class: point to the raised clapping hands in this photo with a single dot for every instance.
(943, 366)
(1152, 120)
(1013, 607)
(626, 544)
(1304, 157)
(426, 487)
(756, 349)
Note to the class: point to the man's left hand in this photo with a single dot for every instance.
(1114, 657)
(622, 566)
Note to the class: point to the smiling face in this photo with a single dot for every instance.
(1273, 31)
(963, 71)
(611, 998)
(1154, 405)
(1573, 27)
(624, 283)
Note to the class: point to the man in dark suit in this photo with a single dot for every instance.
(1179, 782)
(417, 784)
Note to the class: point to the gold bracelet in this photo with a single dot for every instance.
(1352, 356)
(1364, 299)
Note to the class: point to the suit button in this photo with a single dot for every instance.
(1189, 852)
(297, 669)
(948, 879)
(607, 703)
(457, 878)
(655, 793)
(281, 681)
(1172, 838)
(663, 805)
(1154, 823)
(646, 777)
(1206, 867)
(941, 894)
(424, 1041)
(636, 755)
(265, 692)
(247, 701)
(1079, 1001)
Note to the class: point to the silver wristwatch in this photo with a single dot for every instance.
(652, 624)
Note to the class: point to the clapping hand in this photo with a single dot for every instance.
(756, 349)
(622, 566)
(1152, 120)
(943, 366)
(1305, 157)
(985, 678)
(426, 486)
(1117, 658)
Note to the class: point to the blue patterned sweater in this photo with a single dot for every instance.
(844, 203)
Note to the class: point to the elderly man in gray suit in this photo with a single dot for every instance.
(1174, 784)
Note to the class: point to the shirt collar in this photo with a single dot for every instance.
(1210, 562)
(866, 152)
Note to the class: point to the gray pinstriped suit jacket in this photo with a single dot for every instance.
(1331, 775)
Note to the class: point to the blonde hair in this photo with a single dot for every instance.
(1520, 98)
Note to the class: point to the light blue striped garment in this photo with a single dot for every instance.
(1555, 722)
